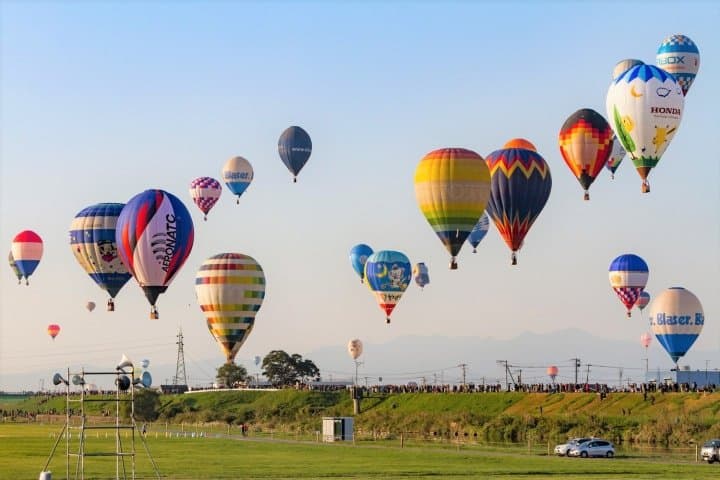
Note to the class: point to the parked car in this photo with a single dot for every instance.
(593, 448)
(564, 448)
(711, 451)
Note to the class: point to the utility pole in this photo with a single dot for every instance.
(180, 377)
(620, 372)
(507, 382)
(464, 367)
(577, 367)
(587, 375)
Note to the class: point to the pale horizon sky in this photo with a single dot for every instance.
(100, 101)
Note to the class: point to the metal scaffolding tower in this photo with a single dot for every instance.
(180, 377)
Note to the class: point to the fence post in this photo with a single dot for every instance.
(402, 440)
(696, 452)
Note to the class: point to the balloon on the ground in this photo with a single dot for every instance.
(14, 267)
(93, 243)
(452, 186)
(355, 348)
(521, 185)
(205, 192)
(27, 250)
(358, 256)
(230, 289)
(90, 306)
(388, 273)
(237, 175)
(479, 231)
(645, 106)
(680, 56)
(628, 276)
(643, 300)
(294, 147)
(155, 236)
(552, 372)
(53, 330)
(585, 142)
(676, 319)
(624, 65)
(421, 274)
(645, 339)
(616, 156)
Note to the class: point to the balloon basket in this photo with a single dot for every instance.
(645, 187)
(513, 259)
(586, 197)
(387, 320)
(110, 306)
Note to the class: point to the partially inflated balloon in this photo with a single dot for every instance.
(642, 300)
(14, 267)
(388, 274)
(520, 187)
(27, 250)
(421, 275)
(624, 65)
(53, 330)
(644, 106)
(205, 192)
(154, 235)
(676, 319)
(92, 240)
(585, 141)
(355, 348)
(452, 186)
(616, 157)
(230, 289)
(680, 56)
(479, 231)
(628, 276)
(294, 147)
(237, 175)
(358, 256)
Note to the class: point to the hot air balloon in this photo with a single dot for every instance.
(355, 348)
(237, 175)
(452, 186)
(585, 141)
(358, 256)
(676, 319)
(26, 250)
(479, 231)
(644, 106)
(645, 340)
(420, 272)
(257, 360)
(628, 277)
(294, 147)
(642, 300)
(521, 184)
(14, 267)
(92, 240)
(388, 274)
(616, 157)
(680, 56)
(205, 192)
(53, 330)
(154, 235)
(624, 65)
(230, 288)
(552, 372)
(90, 306)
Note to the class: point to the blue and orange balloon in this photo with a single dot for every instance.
(92, 240)
(26, 250)
(520, 188)
(628, 276)
(388, 274)
(358, 256)
(294, 147)
(154, 235)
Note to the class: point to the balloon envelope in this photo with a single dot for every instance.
(452, 186)
(237, 175)
(552, 371)
(27, 250)
(355, 348)
(388, 274)
(93, 243)
(680, 56)
(676, 319)
(294, 147)
(230, 289)
(479, 231)
(420, 272)
(14, 267)
(90, 306)
(645, 339)
(616, 156)
(628, 276)
(205, 192)
(624, 65)
(642, 300)
(53, 330)
(358, 256)
(645, 106)
(154, 235)
(521, 184)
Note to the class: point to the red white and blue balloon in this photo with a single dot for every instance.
(26, 251)
(628, 276)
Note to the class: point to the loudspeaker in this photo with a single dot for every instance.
(123, 382)
(58, 379)
(78, 380)
(124, 362)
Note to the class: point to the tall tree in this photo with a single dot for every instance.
(282, 369)
(230, 374)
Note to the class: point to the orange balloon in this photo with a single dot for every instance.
(520, 143)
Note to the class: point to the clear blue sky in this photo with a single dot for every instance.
(99, 101)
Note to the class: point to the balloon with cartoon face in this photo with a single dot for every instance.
(388, 275)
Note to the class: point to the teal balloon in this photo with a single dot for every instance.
(358, 256)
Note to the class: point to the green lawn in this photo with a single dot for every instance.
(25, 449)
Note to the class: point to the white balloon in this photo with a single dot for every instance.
(355, 348)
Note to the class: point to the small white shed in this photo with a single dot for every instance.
(337, 429)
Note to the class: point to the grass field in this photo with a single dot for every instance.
(25, 449)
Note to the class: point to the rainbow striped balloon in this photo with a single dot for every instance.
(452, 186)
(26, 250)
(230, 288)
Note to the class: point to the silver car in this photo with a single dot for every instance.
(711, 451)
(564, 448)
(593, 448)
